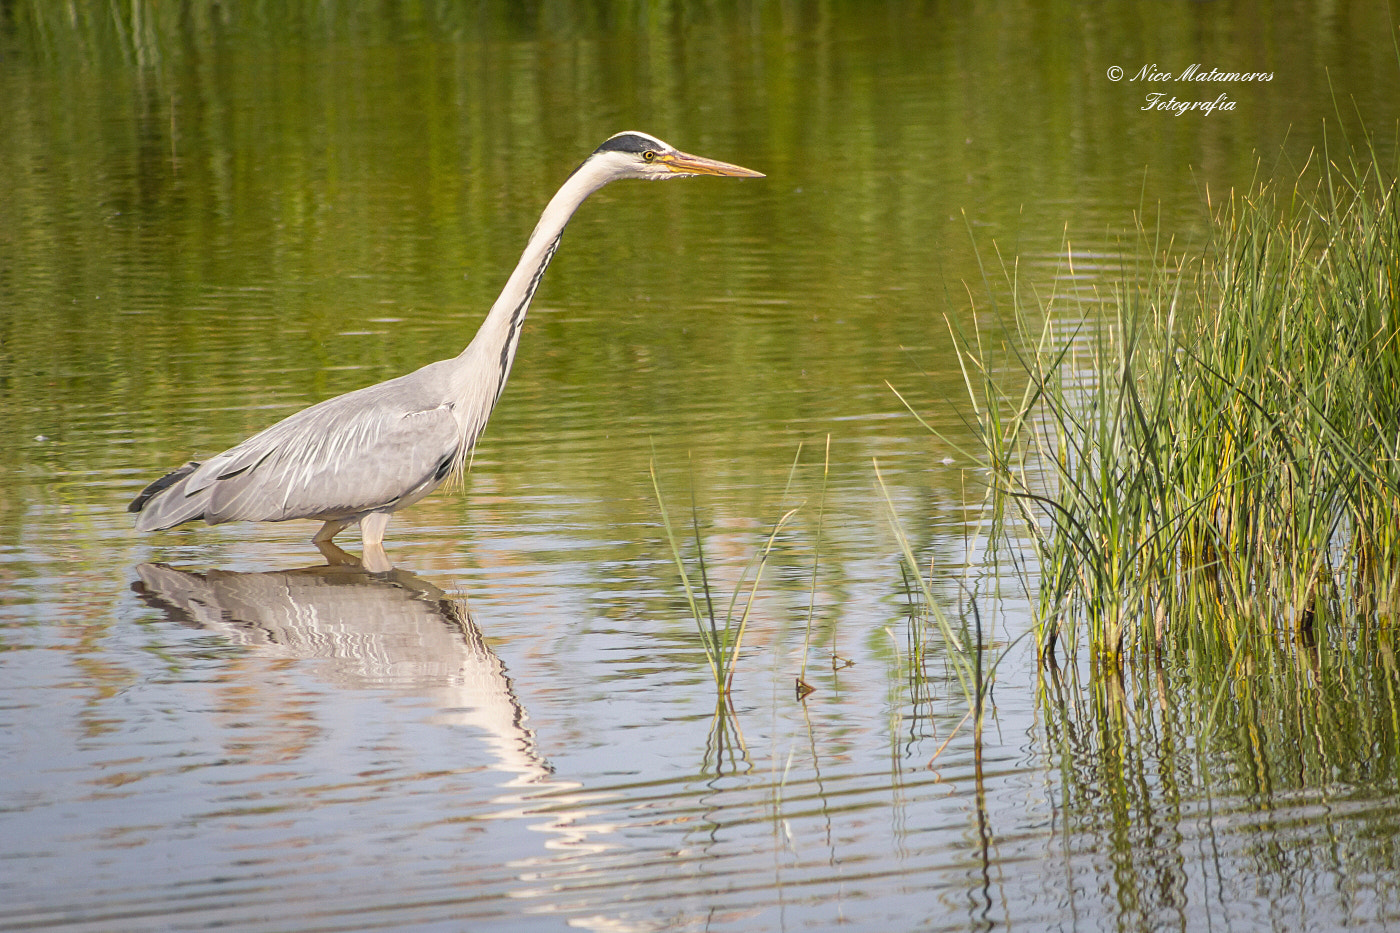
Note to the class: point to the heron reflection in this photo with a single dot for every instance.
(372, 630)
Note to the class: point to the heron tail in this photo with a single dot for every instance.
(162, 505)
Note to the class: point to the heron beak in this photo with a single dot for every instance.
(681, 163)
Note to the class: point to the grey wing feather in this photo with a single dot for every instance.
(346, 456)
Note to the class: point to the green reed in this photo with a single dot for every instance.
(722, 639)
(1218, 446)
(964, 654)
(804, 688)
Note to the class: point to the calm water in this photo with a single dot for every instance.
(210, 218)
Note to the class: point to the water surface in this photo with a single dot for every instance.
(211, 218)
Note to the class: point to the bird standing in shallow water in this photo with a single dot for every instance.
(360, 457)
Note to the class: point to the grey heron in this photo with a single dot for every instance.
(361, 456)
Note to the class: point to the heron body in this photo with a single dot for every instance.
(361, 456)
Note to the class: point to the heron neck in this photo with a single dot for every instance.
(500, 331)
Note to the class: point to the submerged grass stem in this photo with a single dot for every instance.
(722, 641)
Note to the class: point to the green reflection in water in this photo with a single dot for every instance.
(213, 204)
(1281, 759)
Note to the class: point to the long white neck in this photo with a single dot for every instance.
(492, 350)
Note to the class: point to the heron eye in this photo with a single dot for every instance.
(649, 156)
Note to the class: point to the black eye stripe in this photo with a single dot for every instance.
(630, 142)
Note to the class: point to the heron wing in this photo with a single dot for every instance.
(346, 456)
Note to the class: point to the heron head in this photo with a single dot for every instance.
(637, 155)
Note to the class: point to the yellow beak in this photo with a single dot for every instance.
(681, 163)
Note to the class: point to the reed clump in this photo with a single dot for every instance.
(1220, 450)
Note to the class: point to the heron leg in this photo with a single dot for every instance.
(329, 550)
(328, 531)
(372, 555)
